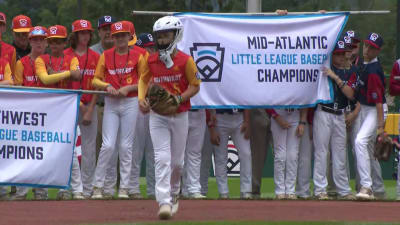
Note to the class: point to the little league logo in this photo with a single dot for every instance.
(53, 30)
(23, 22)
(347, 39)
(374, 36)
(341, 44)
(209, 58)
(107, 19)
(350, 33)
(118, 26)
(83, 23)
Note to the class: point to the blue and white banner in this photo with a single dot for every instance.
(37, 137)
(261, 61)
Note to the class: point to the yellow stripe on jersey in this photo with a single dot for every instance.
(191, 72)
(98, 80)
(19, 73)
(41, 72)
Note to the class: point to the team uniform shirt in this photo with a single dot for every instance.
(87, 65)
(8, 53)
(395, 84)
(61, 65)
(176, 79)
(121, 70)
(5, 71)
(25, 73)
(371, 84)
(21, 52)
(340, 100)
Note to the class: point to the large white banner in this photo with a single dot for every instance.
(37, 133)
(261, 61)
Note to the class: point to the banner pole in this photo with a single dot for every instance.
(159, 13)
(53, 89)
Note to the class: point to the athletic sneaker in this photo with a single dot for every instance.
(280, 196)
(196, 196)
(322, 196)
(291, 197)
(15, 197)
(107, 195)
(40, 196)
(123, 193)
(224, 196)
(135, 196)
(347, 197)
(78, 196)
(365, 194)
(164, 213)
(175, 204)
(97, 193)
(63, 195)
(245, 195)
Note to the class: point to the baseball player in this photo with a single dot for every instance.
(305, 157)
(21, 25)
(142, 144)
(57, 70)
(79, 40)
(329, 127)
(371, 90)
(25, 75)
(7, 51)
(176, 72)
(287, 128)
(117, 73)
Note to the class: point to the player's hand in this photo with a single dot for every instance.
(282, 122)
(124, 91)
(349, 119)
(87, 118)
(111, 90)
(328, 72)
(76, 75)
(83, 108)
(213, 120)
(144, 106)
(281, 12)
(214, 136)
(300, 130)
(245, 129)
(50, 71)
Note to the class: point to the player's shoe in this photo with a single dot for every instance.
(63, 195)
(347, 197)
(196, 196)
(15, 197)
(245, 195)
(365, 194)
(224, 196)
(280, 196)
(175, 204)
(123, 193)
(40, 196)
(97, 193)
(78, 196)
(379, 195)
(135, 196)
(164, 213)
(291, 197)
(322, 196)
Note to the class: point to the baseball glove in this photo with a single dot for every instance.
(161, 101)
(383, 147)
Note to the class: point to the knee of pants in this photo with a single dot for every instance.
(107, 147)
(177, 165)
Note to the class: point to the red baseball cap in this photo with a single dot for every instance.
(121, 27)
(79, 25)
(2, 18)
(21, 23)
(57, 31)
(38, 31)
(132, 30)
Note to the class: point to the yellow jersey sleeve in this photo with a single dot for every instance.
(98, 80)
(8, 74)
(191, 72)
(13, 61)
(144, 76)
(19, 73)
(74, 64)
(41, 72)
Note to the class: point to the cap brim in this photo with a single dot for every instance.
(372, 43)
(104, 24)
(149, 44)
(22, 30)
(341, 50)
(133, 41)
(89, 29)
(121, 31)
(39, 35)
(50, 37)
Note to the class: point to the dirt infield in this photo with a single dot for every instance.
(115, 211)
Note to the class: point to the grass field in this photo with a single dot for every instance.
(234, 184)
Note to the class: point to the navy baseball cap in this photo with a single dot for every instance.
(375, 40)
(353, 35)
(145, 40)
(341, 47)
(105, 20)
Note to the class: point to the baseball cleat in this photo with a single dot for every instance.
(246, 195)
(280, 196)
(63, 195)
(365, 194)
(78, 196)
(322, 196)
(40, 196)
(123, 193)
(224, 196)
(135, 196)
(97, 193)
(291, 197)
(164, 213)
(196, 196)
(347, 197)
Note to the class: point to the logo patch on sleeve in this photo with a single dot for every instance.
(374, 95)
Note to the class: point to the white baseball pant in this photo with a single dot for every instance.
(286, 152)
(194, 145)
(76, 180)
(142, 145)
(88, 145)
(110, 181)
(329, 132)
(168, 134)
(120, 116)
(229, 125)
(304, 165)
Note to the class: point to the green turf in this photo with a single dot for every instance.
(267, 188)
(257, 223)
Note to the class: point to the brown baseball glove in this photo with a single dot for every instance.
(383, 147)
(161, 101)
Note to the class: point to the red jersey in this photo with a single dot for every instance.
(25, 73)
(87, 66)
(8, 53)
(59, 64)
